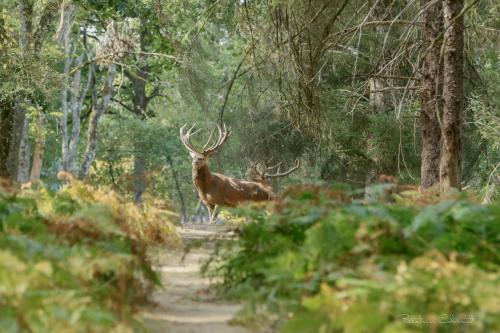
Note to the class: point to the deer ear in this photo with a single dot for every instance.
(192, 154)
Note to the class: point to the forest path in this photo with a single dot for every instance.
(186, 304)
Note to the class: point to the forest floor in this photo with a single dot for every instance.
(187, 302)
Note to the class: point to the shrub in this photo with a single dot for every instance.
(323, 261)
(75, 260)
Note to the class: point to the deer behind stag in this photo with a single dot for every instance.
(215, 189)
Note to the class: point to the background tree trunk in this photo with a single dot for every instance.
(64, 103)
(178, 189)
(36, 168)
(139, 173)
(97, 112)
(7, 112)
(431, 78)
(15, 141)
(76, 107)
(24, 154)
(141, 101)
(140, 105)
(453, 96)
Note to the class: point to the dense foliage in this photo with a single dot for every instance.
(209, 61)
(75, 260)
(96, 90)
(324, 263)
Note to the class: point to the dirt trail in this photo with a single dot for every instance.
(185, 303)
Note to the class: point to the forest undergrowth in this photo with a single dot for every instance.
(75, 260)
(320, 260)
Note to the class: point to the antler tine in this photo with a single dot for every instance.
(186, 137)
(274, 167)
(296, 165)
(205, 149)
(226, 134)
(217, 142)
(209, 140)
(223, 136)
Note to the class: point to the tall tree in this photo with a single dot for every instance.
(431, 78)
(453, 95)
(97, 112)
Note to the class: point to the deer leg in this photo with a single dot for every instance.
(211, 212)
(215, 213)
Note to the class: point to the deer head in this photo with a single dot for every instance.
(261, 172)
(209, 149)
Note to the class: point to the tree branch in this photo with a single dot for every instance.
(230, 86)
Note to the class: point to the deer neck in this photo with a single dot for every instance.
(201, 177)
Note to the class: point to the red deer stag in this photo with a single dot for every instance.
(216, 189)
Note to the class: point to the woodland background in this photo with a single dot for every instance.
(94, 178)
(100, 89)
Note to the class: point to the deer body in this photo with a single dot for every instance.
(215, 189)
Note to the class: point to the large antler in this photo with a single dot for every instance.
(208, 149)
(260, 170)
(186, 138)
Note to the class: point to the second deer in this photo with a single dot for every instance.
(216, 189)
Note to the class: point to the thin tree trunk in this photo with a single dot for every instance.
(96, 114)
(24, 154)
(139, 173)
(453, 96)
(140, 105)
(178, 189)
(431, 77)
(76, 106)
(36, 168)
(64, 103)
(68, 11)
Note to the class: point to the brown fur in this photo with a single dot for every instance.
(215, 189)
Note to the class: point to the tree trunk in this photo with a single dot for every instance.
(140, 105)
(15, 141)
(63, 34)
(97, 112)
(453, 95)
(36, 168)
(76, 106)
(24, 154)
(431, 77)
(141, 102)
(178, 188)
(64, 103)
(139, 173)
(25, 26)
(7, 112)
